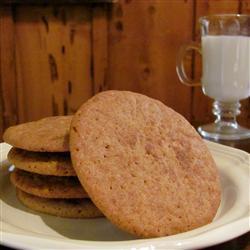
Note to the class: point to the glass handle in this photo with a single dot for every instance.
(180, 69)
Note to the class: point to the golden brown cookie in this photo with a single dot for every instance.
(44, 163)
(46, 135)
(143, 165)
(66, 187)
(69, 208)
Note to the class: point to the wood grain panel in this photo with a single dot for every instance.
(245, 7)
(202, 105)
(99, 48)
(53, 67)
(54, 58)
(144, 37)
(8, 109)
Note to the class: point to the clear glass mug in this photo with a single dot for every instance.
(225, 50)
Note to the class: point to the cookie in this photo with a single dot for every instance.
(143, 165)
(58, 164)
(69, 208)
(47, 186)
(46, 135)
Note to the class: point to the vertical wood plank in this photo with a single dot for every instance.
(99, 47)
(144, 37)
(54, 50)
(78, 56)
(1, 107)
(33, 81)
(245, 6)
(7, 69)
(244, 118)
(202, 105)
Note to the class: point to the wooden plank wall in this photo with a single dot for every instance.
(144, 38)
(8, 88)
(53, 58)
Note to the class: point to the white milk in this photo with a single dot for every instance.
(226, 67)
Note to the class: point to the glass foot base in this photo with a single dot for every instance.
(218, 132)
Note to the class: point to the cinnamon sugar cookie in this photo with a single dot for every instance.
(69, 208)
(48, 186)
(58, 164)
(46, 135)
(143, 165)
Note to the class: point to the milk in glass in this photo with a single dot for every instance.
(226, 67)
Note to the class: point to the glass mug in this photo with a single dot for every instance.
(225, 50)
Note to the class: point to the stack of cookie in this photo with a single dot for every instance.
(44, 178)
(142, 164)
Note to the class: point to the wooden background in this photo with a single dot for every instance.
(54, 57)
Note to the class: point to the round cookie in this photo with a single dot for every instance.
(48, 186)
(143, 165)
(69, 208)
(46, 135)
(58, 164)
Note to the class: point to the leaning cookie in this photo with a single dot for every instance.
(48, 186)
(69, 208)
(46, 135)
(58, 164)
(143, 165)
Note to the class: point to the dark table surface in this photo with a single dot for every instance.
(239, 243)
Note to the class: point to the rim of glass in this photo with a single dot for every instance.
(222, 16)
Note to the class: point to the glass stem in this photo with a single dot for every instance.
(226, 113)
